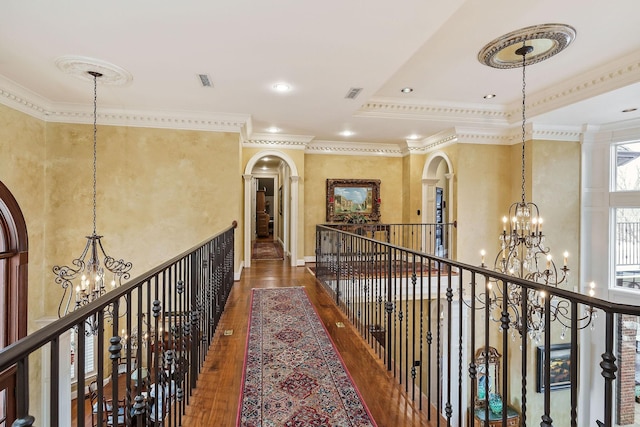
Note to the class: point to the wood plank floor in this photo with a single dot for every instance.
(215, 400)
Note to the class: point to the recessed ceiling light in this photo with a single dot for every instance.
(265, 159)
(489, 96)
(281, 87)
(413, 136)
(273, 129)
(629, 110)
(406, 90)
(346, 133)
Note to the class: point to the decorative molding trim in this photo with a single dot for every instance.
(613, 75)
(354, 148)
(21, 99)
(395, 109)
(556, 133)
(292, 142)
(80, 66)
(218, 122)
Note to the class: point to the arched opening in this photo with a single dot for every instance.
(438, 199)
(13, 292)
(283, 170)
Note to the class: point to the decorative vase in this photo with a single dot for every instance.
(495, 403)
(481, 393)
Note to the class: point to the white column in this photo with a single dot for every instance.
(64, 381)
(247, 219)
(451, 252)
(428, 206)
(294, 220)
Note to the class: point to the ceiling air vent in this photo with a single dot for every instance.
(353, 92)
(204, 79)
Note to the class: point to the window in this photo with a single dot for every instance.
(627, 247)
(624, 202)
(89, 355)
(627, 167)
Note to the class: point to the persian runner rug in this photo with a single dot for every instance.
(267, 250)
(293, 374)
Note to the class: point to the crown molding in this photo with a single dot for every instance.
(21, 99)
(394, 108)
(354, 148)
(25, 101)
(626, 131)
(267, 140)
(611, 76)
(491, 136)
(193, 120)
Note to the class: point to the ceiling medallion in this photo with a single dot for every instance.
(546, 40)
(80, 66)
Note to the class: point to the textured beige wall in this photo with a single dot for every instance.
(482, 190)
(22, 170)
(320, 167)
(412, 166)
(160, 191)
(553, 178)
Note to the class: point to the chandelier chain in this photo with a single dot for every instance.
(524, 117)
(95, 156)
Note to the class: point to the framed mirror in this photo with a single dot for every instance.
(487, 382)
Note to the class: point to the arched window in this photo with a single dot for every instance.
(13, 292)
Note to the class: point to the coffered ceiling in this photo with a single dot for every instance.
(322, 50)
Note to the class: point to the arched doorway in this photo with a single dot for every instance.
(438, 197)
(289, 198)
(13, 293)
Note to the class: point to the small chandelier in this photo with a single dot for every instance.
(90, 275)
(523, 253)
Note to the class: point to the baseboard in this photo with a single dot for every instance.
(300, 262)
(237, 274)
(311, 259)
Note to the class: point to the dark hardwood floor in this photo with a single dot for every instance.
(215, 400)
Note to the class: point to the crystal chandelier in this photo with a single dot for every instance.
(523, 252)
(93, 268)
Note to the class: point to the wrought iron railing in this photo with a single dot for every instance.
(148, 356)
(435, 239)
(427, 316)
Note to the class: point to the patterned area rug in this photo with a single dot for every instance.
(293, 375)
(267, 250)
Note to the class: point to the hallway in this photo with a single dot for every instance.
(215, 400)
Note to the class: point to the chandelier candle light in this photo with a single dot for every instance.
(92, 273)
(523, 253)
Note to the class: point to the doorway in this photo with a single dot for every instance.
(272, 163)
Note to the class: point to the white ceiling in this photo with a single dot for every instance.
(322, 49)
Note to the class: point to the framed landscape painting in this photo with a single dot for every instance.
(353, 200)
(560, 367)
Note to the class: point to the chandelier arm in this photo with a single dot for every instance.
(62, 300)
(562, 314)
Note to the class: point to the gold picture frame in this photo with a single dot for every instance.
(353, 200)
